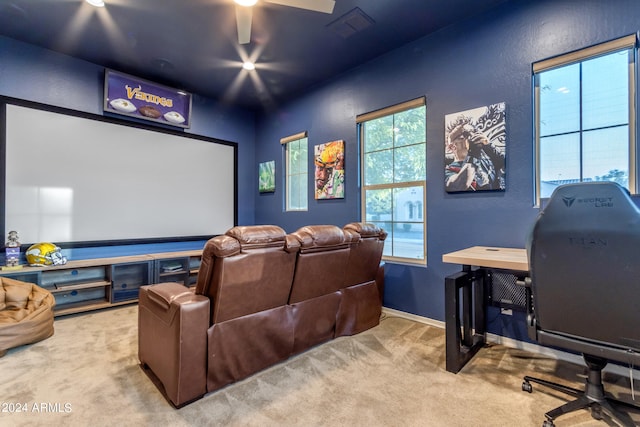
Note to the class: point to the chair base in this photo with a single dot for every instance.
(593, 396)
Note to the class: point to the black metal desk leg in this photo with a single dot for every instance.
(479, 302)
(467, 321)
(464, 330)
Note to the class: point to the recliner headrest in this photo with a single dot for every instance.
(246, 237)
(258, 234)
(322, 236)
(366, 229)
(221, 246)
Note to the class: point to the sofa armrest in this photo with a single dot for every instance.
(163, 295)
(172, 339)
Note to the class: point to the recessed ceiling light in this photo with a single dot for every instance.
(96, 3)
(246, 2)
(248, 66)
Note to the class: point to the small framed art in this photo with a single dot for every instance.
(267, 177)
(329, 170)
(475, 146)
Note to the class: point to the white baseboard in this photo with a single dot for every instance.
(521, 345)
(414, 317)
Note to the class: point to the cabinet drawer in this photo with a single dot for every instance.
(126, 288)
(126, 292)
(61, 278)
(72, 296)
(194, 264)
(127, 279)
(24, 277)
(130, 274)
(193, 280)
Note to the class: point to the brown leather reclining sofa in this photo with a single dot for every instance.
(261, 297)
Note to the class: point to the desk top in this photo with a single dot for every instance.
(485, 256)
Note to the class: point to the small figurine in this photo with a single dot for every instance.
(12, 249)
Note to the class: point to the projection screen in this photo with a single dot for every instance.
(72, 178)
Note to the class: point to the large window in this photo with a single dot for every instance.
(393, 148)
(585, 117)
(296, 159)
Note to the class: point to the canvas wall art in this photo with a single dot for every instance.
(475, 148)
(329, 173)
(267, 177)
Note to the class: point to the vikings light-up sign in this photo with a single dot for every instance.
(130, 96)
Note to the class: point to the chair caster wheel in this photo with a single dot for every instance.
(526, 386)
(548, 423)
(596, 412)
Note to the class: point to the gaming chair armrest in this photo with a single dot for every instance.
(532, 326)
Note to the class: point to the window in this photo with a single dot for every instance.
(584, 117)
(296, 158)
(393, 148)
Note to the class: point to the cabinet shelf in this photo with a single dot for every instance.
(64, 288)
(172, 273)
(183, 267)
(81, 307)
(85, 285)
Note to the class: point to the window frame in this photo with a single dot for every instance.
(420, 217)
(303, 174)
(578, 57)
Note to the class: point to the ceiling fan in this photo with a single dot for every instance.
(244, 12)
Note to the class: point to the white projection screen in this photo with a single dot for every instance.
(85, 179)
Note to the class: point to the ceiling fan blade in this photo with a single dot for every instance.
(243, 19)
(325, 6)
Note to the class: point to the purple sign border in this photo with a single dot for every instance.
(134, 97)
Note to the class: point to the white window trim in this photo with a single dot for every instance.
(284, 141)
(394, 109)
(627, 42)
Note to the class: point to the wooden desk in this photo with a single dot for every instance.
(466, 298)
(490, 257)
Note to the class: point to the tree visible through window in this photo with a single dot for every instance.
(583, 117)
(296, 159)
(393, 146)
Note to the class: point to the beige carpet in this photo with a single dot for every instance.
(87, 374)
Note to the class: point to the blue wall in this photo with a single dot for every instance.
(39, 75)
(470, 64)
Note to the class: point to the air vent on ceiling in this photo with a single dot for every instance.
(351, 23)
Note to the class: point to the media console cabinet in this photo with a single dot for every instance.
(92, 284)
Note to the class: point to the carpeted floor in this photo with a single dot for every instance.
(87, 374)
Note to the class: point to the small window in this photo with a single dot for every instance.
(393, 148)
(584, 117)
(296, 159)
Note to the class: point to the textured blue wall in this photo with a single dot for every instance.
(475, 63)
(39, 75)
(470, 64)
